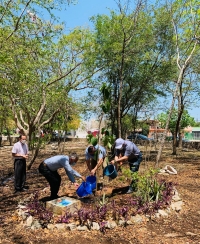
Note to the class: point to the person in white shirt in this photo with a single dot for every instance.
(20, 153)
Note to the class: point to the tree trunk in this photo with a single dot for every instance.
(174, 144)
(178, 83)
(97, 172)
(9, 137)
(169, 116)
(36, 152)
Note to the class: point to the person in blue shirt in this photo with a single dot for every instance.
(127, 151)
(94, 156)
(48, 168)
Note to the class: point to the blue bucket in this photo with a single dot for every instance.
(110, 171)
(92, 181)
(84, 189)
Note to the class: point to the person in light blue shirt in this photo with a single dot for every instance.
(94, 156)
(48, 168)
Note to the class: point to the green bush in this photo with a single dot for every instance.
(147, 186)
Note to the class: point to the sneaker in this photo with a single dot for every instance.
(130, 190)
(26, 187)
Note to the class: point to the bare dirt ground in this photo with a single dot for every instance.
(177, 228)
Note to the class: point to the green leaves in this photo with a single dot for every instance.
(107, 139)
(92, 140)
(106, 93)
(186, 120)
(149, 189)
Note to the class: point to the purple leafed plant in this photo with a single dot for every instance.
(38, 210)
(124, 212)
(65, 218)
(103, 226)
(85, 216)
(101, 213)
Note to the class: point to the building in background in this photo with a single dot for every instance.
(192, 133)
(89, 127)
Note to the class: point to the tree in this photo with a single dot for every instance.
(39, 72)
(133, 60)
(186, 120)
(14, 14)
(185, 43)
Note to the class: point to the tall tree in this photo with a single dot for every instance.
(39, 73)
(133, 57)
(184, 17)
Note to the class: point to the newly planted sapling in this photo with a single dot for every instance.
(104, 200)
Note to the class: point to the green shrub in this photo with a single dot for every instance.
(147, 186)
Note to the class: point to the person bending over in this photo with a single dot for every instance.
(94, 156)
(127, 151)
(48, 168)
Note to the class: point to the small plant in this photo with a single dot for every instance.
(103, 226)
(148, 187)
(104, 200)
(150, 196)
(92, 139)
(38, 210)
(65, 218)
(108, 140)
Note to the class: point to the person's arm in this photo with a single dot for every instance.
(20, 155)
(119, 159)
(88, 164)
(71, 172)
(16, 154)
(97, 166)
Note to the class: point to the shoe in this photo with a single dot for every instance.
(53, 198)
(130, 190)
(26, 187)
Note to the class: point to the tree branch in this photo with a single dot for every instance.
(17, 24)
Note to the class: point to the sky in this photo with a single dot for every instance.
(80, 14)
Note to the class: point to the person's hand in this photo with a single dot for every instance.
(93, 172)
(83, 178)
(25, 156)
(76, 184)
(112, 162)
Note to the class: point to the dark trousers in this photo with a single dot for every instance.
(20, 173)
(93, 163)
(52, 177)
(134, 167)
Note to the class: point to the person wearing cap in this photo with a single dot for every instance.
(127, 151)
(94, 156)
(48, 168)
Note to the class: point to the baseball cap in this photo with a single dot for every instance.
(119, 143)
